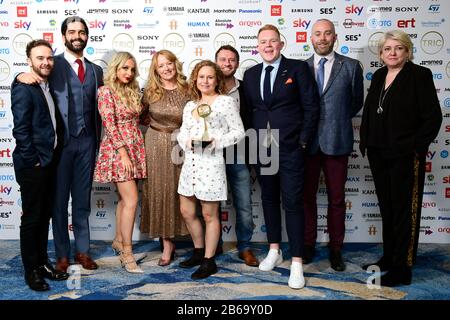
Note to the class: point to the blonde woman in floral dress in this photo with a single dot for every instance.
(121, 157)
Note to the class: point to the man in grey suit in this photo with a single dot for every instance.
(340, 83)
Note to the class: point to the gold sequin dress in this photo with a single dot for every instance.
(161, 216)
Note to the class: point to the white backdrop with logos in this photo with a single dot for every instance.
(193, 30)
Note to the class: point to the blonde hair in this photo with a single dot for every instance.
(153, 91)
(399, 36)
(129, 92)
(193, 90)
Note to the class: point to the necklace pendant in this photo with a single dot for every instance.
(380, 110)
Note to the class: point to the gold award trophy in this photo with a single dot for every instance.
(203, 110)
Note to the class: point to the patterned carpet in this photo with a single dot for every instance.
(234, 281)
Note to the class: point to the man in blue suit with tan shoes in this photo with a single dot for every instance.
(340, 84)
(74, 83)
(281, 98)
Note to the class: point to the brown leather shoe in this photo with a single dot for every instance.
(249, 258)
(86, 261)
(62, 264)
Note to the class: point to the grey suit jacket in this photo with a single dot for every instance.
(341, 100)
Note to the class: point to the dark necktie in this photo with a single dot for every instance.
(321, 74)
(267, 92)
(80, 70)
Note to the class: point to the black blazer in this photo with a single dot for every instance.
(33, 128)
(412, 115)
(294, 106)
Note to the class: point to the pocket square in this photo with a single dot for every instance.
(289, 80)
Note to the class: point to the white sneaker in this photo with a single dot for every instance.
(296, 279)
(274, 258)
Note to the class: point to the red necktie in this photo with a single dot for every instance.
(80, 70)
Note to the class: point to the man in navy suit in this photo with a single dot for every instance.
(340, 85)
(74, 83)
(38, 133)
(282, 98)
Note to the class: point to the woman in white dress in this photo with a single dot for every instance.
(213, 118)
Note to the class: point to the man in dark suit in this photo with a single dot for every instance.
(340, 85)
(282, 97)
(74, 84)
(238, 174)
(38, 133)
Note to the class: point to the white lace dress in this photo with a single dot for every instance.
(203, 172)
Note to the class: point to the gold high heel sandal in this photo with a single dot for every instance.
(127, 260)
(117, 247)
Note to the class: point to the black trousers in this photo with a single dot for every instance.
(37, 193)
(399, 183)
(287, 181)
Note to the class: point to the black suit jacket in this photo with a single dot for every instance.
(33, 128)
(294, 106)
(412, 115)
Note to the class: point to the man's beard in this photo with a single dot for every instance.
(69, 45)
(324, 51)
(39, 72)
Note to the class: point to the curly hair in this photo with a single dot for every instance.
(153, 91)
(194, 93)
(129, 92)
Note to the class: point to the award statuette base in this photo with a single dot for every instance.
(202, 143)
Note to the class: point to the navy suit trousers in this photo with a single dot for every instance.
(74, 178)
(289, 182)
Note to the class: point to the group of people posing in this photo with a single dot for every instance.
(303, 108)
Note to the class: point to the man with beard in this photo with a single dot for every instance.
(38, 132)
(74, 83)
(238, 174)
(340, 83)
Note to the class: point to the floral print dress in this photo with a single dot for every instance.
(121, 129)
